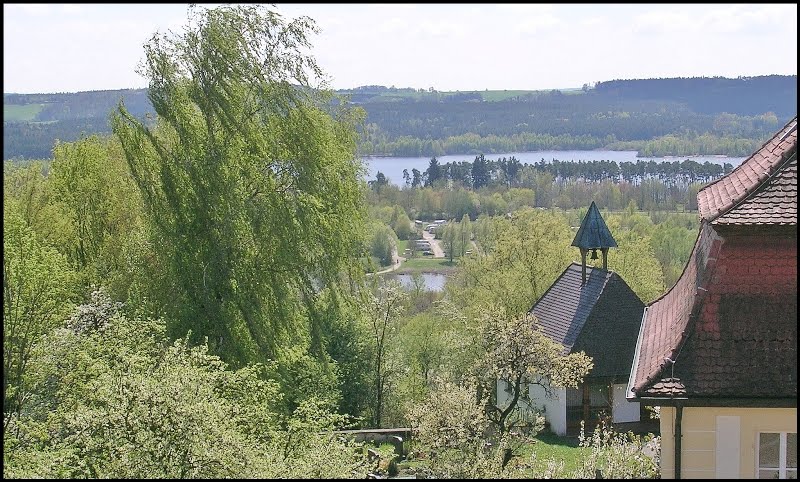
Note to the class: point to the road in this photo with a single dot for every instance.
(438, 252)
(397, 260)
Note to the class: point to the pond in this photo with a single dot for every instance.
(431, 281)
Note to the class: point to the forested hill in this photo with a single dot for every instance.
(681, 116)
(746, 96)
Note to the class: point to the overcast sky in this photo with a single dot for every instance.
(70, 48)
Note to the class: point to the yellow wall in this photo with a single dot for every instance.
(699, 440)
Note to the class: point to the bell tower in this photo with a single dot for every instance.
(593, 235)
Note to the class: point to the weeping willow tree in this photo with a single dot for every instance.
(249, 178)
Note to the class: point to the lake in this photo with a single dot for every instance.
(392, 167)
(433, 281)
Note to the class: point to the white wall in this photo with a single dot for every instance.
(553, 407)
(623, 410)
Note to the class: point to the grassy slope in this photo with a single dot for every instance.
(564, 449)
(21, 113)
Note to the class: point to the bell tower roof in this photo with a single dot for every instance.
(593, 232)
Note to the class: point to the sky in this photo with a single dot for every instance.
(79, 47)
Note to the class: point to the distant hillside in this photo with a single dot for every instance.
(746, 96)
(733, 115)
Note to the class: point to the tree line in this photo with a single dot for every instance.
(486, 186)
(656, 116)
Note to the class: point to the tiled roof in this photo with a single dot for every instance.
(773, 203)
(751, 193)
(727, 328)
(670, 387)
(593, 232)
(735, 334)
(600, 318)
(666, 319)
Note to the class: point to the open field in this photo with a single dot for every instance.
(21, 113)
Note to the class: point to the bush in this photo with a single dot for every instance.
(116, 399)
(619, 455)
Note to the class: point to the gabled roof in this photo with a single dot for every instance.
(752, 193)
(593, 232)
(727, 328)
(600, 318)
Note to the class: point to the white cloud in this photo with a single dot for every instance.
(663, 21)
(537, 23)
(593, 22)
(447, 46)
(36, 9)
(71, 8)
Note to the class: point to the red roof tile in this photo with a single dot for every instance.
(775, 202)
(666, 319)
(727, 328)
(750, 194)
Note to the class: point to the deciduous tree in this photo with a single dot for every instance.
(38, 288)
(249, 178)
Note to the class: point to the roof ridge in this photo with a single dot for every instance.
(784, 132)
(763, 183)
(764, 144)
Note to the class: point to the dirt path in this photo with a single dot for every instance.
(438, 252)
(397, 261)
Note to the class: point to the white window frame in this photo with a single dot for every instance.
(783, 449)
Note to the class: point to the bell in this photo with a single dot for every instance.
(594, 254)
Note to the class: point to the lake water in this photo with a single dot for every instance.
(433, 281)
(392, 167)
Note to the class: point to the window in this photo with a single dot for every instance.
(777, 455)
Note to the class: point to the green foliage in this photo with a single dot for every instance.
(619, 455)
(449, 240)
(484, 232)
(634, 260)
(460, 202)
(424, 339)
(385, 305)
(38, 288)
(400, 223)
(383, 243)
(251, 186)
(303, 377)
(419, 353)
(118, 400)
(346, 340)
(527, 254)
(451, 425)
(452, 432)
(464, 236)
(100, 210)
(25, 185)
(672, 245)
